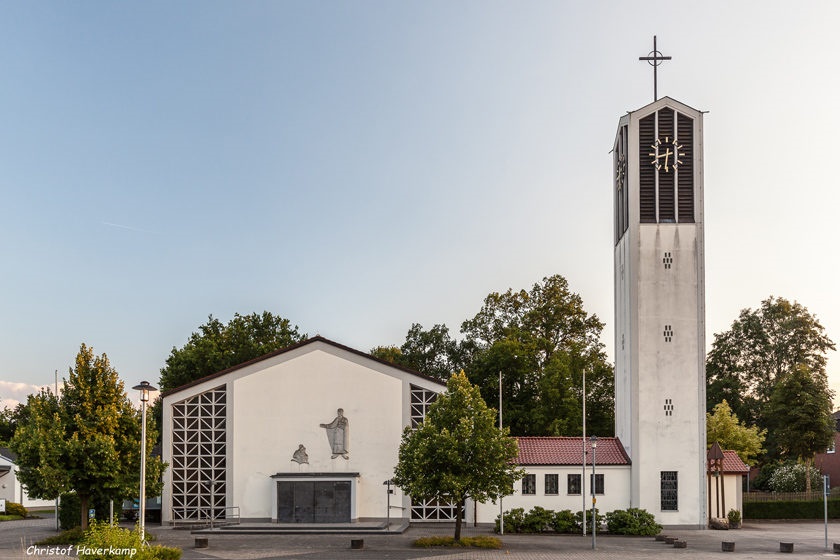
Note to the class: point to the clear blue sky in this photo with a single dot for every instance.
(357, 167)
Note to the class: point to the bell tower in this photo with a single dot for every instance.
(660, 308)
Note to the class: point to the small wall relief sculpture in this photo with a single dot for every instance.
(300, 456)
(338, 434)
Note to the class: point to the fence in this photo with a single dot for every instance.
(815, 495)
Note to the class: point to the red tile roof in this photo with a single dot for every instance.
(733, 464)
(567, 451)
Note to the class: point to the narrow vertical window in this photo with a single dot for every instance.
(599, 483)
(551, 481)
(529, 484)
(668, 490)
(573, 484)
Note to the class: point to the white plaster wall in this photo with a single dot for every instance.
(281, 407)
(733, 495)
(616, 492)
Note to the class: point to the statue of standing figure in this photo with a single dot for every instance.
(338, 434)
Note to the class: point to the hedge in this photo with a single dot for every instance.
(796, 509)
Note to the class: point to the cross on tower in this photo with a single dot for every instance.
(654, 58)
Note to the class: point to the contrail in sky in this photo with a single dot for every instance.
(127, 227)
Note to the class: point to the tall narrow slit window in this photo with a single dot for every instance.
(668, 490)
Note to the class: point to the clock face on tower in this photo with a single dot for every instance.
(666, 154)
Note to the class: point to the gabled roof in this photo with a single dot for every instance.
(568, 451)
(732, 464)
(308, 341)
(7, 453)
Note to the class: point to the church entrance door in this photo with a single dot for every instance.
(309, 501)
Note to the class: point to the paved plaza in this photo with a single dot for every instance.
(755, 540)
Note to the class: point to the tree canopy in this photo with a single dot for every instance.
(722, 426)
(458, 452)
(761, 349)
(87, 441)
(542, 342)
(218, 346)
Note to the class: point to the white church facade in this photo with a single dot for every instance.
(310, 433)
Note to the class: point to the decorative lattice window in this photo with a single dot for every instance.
(199, 454)
(433, 510)
(573, 484)
(668, 333)
(668, 490)
(669, 407)
(667, 260)
(551, 483)
(421, 400)
(529, 484)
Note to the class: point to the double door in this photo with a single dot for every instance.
(309, 501)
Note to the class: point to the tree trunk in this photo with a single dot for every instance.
(459, 515)
(808, 478)
(83, 506)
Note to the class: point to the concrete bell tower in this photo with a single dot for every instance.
(660, 309)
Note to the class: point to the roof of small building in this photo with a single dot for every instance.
(732, 464)
(561, 450)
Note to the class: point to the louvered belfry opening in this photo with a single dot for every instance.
(622, 207)
(666, 191)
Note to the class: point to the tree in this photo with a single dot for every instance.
(217, 346)
(88, 441)
(762, 347)
(802, 424)
(458, 452)
(432, 352)
(542, 341)
(722, 426)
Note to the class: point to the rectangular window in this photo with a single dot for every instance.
(529, 484)
(668, 490)
(573, 484)
(551, 481)
(599, 483)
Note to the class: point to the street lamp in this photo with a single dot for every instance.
(145, 388)
(594, 441)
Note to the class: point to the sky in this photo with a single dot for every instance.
(357, 167)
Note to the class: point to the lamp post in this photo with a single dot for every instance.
(594, 441)
(501, 507)
(583, 446)
(145, 388)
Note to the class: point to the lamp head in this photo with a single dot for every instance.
(145, 388)
(594, 440)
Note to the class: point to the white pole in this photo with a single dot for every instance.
(594, 516)
(825, 507)
(583, 442)
(501, 507)
(143, 475)
(58, 498)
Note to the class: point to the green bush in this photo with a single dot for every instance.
(599, 520)
(795, 509)
(13, 508)
(538, 520)
(514, 520)
(564, 522)
(790, 477)
(632, 521)
(100, 536)
(734, 517)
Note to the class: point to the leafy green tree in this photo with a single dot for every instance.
(722, 426)
(542, 341)
(762, 347)
(218, 346)
(802, 424)
(88, 441)
(458, 452)
(432, 352)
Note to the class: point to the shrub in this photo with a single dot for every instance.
(734, 517)
(538, 520)
(475, 542)
(514, 520)
(790, 477)
(13, 508)
(564, 522)
(70, 536)
(100, 535)
(632, 521)
(579, 516)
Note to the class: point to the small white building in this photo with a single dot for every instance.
(11, 489)
(726, 484)
(554, 471)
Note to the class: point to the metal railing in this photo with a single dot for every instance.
(207, 517)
